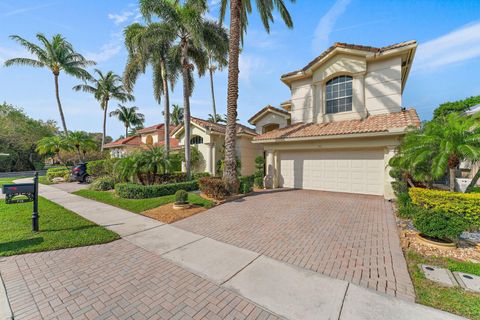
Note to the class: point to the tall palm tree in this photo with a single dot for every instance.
(105, 88)
(239, 10)
(193, 35)
(57, 55)
(150, 45)
(217, 60)
(129, 116)
(53, 145)
(177, 114)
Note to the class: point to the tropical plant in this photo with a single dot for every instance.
(215, 118)
(129, 116)
(105, 88)
(57, 55)
(81, 142)
(239, 11)
(150, 45)
(457, 106)
(217, 60)
(154, 162)
(177, 114)
(193, 35)
(53, 145)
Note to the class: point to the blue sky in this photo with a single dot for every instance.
(446, 67)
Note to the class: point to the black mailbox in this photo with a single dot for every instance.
(19, 188)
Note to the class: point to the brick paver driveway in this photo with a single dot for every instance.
(115, 281)
(345, 236)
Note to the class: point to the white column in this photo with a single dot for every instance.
(276, 161)
(270, 168)
(388, 190)
(214, 159)
(209, 158)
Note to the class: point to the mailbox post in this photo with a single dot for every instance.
(29, 191)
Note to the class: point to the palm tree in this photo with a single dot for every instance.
(217, 60)
(106, 87)
(129, 116)
(193, 34)
(443, 143)
(239, 10)
(82, 142)
(150, 45)
(217, 118)
(53, 145)
(155, 161)
(177, 114)
(57, 55)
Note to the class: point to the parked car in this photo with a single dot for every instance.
(79, 173)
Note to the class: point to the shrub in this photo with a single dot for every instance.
(102, 184)
(199, 175)
(100, 168)
(246, 184)
(181, 196)
(166, 177)
(466, 205)
(475, 190)
(138, 191)
(439, 224)
(58, 172)
(175, 160)
(213, 187)
(259, 166)
(406, 209)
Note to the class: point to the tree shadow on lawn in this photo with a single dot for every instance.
(68, 229)
(20, 244)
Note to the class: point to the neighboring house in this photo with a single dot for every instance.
(146, 137)
(209, 138)
(343, 122)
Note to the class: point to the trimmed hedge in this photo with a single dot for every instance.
(100, 168)
(439, 224)
(246, 184)
(467, 205)
(102, 184)
(58, 172)
(138, 191)
(199, 175)
(213, 187)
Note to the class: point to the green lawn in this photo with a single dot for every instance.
(8, 180)
(454, 300)
(138, 205)
(59, 228)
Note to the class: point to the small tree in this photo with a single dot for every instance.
(259, 171)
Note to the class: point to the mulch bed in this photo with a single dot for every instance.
(167, 214)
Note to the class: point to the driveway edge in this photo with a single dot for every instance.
(5, 309)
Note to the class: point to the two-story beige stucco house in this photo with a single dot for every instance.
(343, 122)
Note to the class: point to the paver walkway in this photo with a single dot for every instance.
(344, 236)
(208, 279)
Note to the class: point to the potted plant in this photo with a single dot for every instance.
(439, 228)
(181, 200)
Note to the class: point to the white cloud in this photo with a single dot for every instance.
(9, 53)
(248, 65)
(28, 9)
(454, 47)
(325, 25)
(121, 17)
(108, 50)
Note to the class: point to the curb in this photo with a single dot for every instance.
(5, 310)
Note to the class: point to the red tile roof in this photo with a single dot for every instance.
(151, 128)
(219, 128)
(350, 46)
(129, 141)
(376, 123)
(268, 108)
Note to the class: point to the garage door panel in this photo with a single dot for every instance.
(343, 171)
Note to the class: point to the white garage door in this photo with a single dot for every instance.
(342, 171)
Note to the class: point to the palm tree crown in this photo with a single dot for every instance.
(105, 88)
(57, 55)
(129, 116)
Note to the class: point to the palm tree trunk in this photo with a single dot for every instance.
(186, 106)
(213, 96)
(452, 178)
(166, 109)
(57, 94)
(105, 109)
(474, 182)
(126, 131)
(79, 154)
(230, 163)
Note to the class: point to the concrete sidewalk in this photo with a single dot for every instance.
(286, 290)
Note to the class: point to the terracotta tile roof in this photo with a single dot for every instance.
(350, 46)
(129, 141)
(220, 128)
(151, 128)
(377, 123)
(267, 108)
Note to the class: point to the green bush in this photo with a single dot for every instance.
(181, 196)
(246, 184)
(213, 187)
(175, 160)
(102, 184)
(138, 191)
(58, 172)
(100, 168)
(406, 209)
(475, 190)
(439, 224)
(465, 205)
(199, 175)
(259, 167)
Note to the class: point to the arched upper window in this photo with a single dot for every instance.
(149, 140)
(338, 96)
(196, 140)
(270, 127)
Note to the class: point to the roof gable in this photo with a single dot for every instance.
(268, 109)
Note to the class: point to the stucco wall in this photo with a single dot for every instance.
(247, 152)
(302, 101)
(269, 119)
